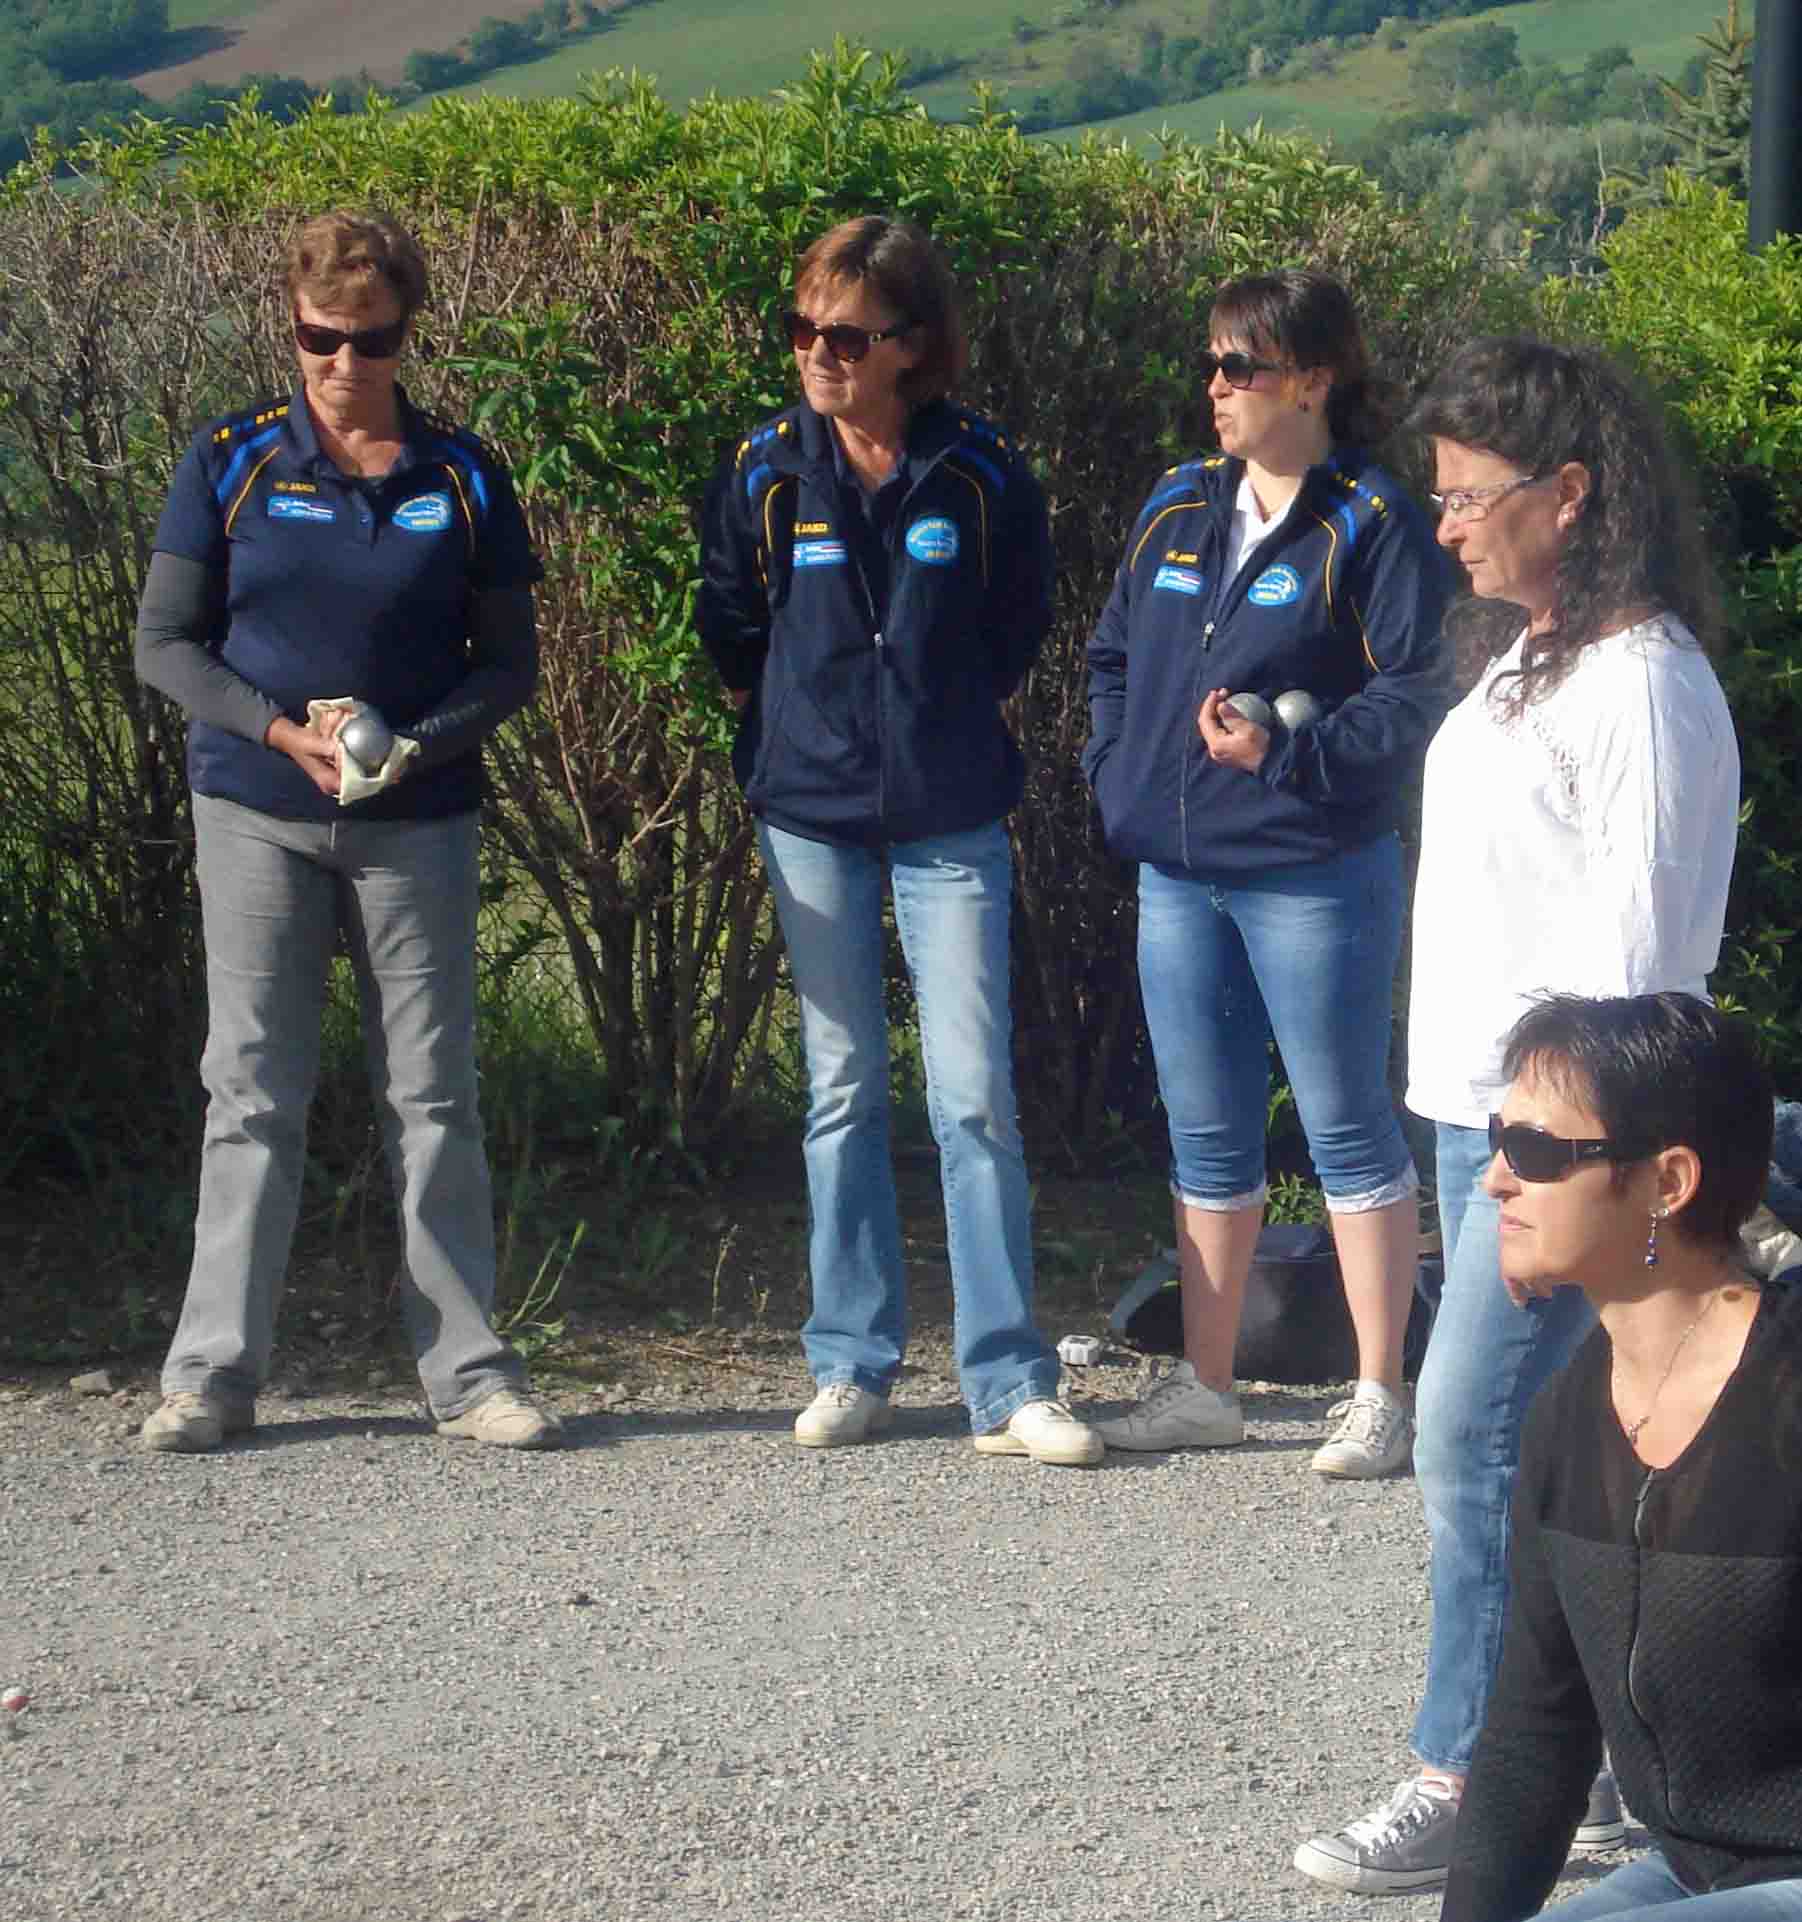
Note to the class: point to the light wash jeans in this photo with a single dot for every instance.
(1307, 953)
(274, 895)
(951, 895)
(1646, 1883)
(1486, 1361)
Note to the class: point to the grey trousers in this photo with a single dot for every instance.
(274, 896)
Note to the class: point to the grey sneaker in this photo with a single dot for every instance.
(505, 1419)
(1368, 1435)
(1604, 1823)
(191, 1424)
(1406, 1844)
(839, 1414)
(1182, 1411)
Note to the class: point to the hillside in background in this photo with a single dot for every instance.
(1055, 62)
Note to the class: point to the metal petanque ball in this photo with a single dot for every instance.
(1250, 707)
(1298, 709)
(367, 739)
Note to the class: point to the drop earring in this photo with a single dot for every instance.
(1658, 1214)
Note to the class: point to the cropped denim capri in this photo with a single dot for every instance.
(1307, 954)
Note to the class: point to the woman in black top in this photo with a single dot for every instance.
(1657, 1556)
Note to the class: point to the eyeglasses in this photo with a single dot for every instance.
(843, 341)
(367, 343)
(1534, 1155)
(1477, 503)
(1239, 369)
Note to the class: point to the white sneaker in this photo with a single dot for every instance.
(841, 1413)
(1182, 1411)
(1048, 1432)
(1373, 1436)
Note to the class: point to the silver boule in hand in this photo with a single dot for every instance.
(1250, 707)
(1297, 709)
(367, 739)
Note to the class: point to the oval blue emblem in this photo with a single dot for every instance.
(933, 541)
(424, 513)
(1276, 587)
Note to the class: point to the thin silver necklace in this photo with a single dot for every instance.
(1631, 1428)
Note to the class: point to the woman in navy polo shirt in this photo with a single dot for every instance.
(1270, 875)
(876, 580)
(335, 549)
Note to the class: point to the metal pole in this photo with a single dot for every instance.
(1776, 122)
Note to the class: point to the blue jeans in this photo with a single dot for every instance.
(952, 894)
(274, 896)
(1486, 1361)
(1307, 953)
(1646, 1883)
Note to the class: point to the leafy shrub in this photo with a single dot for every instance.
(606, 266)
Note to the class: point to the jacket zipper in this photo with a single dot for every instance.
(869, 601)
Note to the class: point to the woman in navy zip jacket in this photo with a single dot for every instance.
(1270, 874)
(876, 580)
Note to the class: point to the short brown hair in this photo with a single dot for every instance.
(345, 258)
(900, 262)
(1308, 318)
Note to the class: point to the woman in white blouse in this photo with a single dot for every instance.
(1579, 813)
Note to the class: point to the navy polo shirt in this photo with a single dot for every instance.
(337, 585)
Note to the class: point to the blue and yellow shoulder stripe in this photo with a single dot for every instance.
(246, 443)
(1179, 489)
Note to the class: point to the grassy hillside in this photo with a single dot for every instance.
(1371, 85)
(749, 46)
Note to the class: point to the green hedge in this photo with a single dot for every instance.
(605, 267)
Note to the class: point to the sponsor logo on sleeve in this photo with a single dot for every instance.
(933, 541)
(1178, 580)
(295, 507)
(819, 553)
(1276, 587)
(424, 514)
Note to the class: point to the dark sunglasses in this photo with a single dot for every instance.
(367, 343)
(843, 342)
(1534, 1155)
(1240, 369)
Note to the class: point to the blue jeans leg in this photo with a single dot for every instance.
(1307, 952)
(829, 901)
(952, 905)
(1486, 1361)
(951, 909)
(1646, 1883)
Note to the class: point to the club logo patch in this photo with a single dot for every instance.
(1179, 580)
(424, 514)
(933, 541)
(1276, 587)
(819, 553)
(291, 507)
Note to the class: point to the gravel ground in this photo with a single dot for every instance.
(345, 1671)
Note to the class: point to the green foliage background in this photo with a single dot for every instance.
(605, 268)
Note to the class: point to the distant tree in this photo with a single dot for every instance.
(1713, 123)
(499, 43)
(1454, 65)
(431, 72)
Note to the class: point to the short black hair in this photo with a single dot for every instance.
(1662, 1071)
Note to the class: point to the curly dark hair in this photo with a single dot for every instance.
(1308, 318)
(1640, 539)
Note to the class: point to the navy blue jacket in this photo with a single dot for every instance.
(877, 650)
(333, 587)
(1345, 599)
